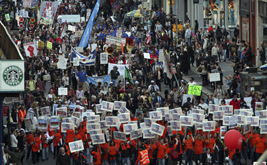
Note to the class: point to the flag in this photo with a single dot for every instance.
(84, 60)
(63, 30)
(89, 26)
(148, 39)
(102, 79)
(128, 75)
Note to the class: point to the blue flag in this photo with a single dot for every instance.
(89, 26)
(102, 79)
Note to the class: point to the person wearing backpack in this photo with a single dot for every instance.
(174, 152)
(188, 35)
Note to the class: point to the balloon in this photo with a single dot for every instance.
(233, 139)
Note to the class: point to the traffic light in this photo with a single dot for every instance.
(172, 2)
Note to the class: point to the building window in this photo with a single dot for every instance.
(214, 13)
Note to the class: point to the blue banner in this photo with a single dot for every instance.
(89, 26)
(102, 79)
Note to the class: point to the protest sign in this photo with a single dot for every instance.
(198, 111)
(27, 3)
(218, 115)
(30, 114)
(92, 126)
(42, 123)
(121, 68)
(103, 58)
(135, 134)
(147, 134)
(76, 121)
(123, 117)
(198, 118)
(76, 146)
(107, 106)
(208, 126)
(112, 121)
(71, 28)
(119, 135)
(214, 77)
(263, 129)
(194, 90)
(88, 13)
(29, 125)
(186, 120)
(146, 55)
(176, 125)
(45, 111)
(258, 105)
(76, 62)
(54, 122)
(199, 126)
(66, 120)
(261, 114)
(223, 130)
(49, 45)
(66, 126)
(107, 136)
(98, 108)
(157, 129)
(241, 120)
(176, 110)
(48, 9)
(115, 40)
(123, 109)
(7, 16)
(155, 115)
(40, 44)
(79, 33)
(95, 132)
(119, 104)
(148, 122)
(93, 118)
(63, 91)
(253, 120)
(30, 49)
(168, 117)
(61, 112)
(161, 55)
(246, 128)
(128, 128)
(103, 125)
(98, 139)
(163, 110)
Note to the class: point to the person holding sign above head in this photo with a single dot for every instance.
(98, 153)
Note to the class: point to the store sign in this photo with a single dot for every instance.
(12, 76)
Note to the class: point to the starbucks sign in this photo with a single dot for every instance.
(12, 76)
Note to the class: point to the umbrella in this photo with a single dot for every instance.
(263, 67)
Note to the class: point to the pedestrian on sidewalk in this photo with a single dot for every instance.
(214, 52)
(204, 73)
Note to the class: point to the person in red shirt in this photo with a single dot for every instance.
(210, 143)
(260, 145)
(199, 144)
(29, 140)
(98, 152)
(235, 103)
(45, 146)
(21, 114)
(162, 151)
(252, 140)
(36, 147)
(132, 117)
(152, 146)
(188, 142)
(105, 157)
(57, 140)
(112, 150)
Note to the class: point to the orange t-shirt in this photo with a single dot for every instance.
(112, 152)
(22, 115)
(150, 150)
(161, 151)
(36, 145)
(188, 144)
(260, 144)
(134, 119)
(210, 144)
(105, 147)
(253, 139)
(231, 153)
(199, 146)
(30, 140)
(98, 156)
(57, 138)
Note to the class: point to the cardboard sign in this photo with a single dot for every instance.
(194, 90)
(214, 77)
(103, 58)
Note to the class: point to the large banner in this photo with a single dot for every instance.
(48, 9)
(83, 60)
(121, 68)
(89, 26)
(102, 79)
(115, 40)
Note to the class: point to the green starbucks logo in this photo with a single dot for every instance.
(13, 75)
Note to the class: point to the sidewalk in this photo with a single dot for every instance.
(208, 90)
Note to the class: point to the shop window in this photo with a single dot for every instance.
(214, 13)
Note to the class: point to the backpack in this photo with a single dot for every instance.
(155, 153)
(174, 154)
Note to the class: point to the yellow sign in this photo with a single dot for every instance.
(49, 45)
(7, 17)
(40, 44)
(129, 48)
(194, 90)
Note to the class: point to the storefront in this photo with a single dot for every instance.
(216, 11)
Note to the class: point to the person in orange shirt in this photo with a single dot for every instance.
(84, 121)
(45, 146)
(151, 147)
(98, 152)
(132, 117)
(252, 138)
(199, 144)
(105, 157)
(162, 152)
(112, 150)
(21, 114)
(173, 148)
(29, 140)
(260, 145)
(210, 143)
(57, 140)
(178, 137)
(188, 142)
(36, 147)
(142, 157)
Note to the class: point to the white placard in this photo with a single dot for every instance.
(98, 139)
(176, 125)
(147, 134)
(88, 13)
(261, 114)
(163, 110)
(119, 135)
(112, 121)
(107, 106)
(263, 129)
(71, 28)
(198, 111)
(103, 58)
(63, 91)
(148, 122)
(146, 55)
(103, 125)
(253, 120)
(157, 129)
(161, 55)
(128, 128)
(218, 115)
(45, 111)
(92, 126)
(82, 19)
(214, 77)
(226, 120)
(123, 117)
(30, 49)
(95, 132)
(208, 126)
(71, 18)
(76, 146)
(76, 62)
(135, 134)
(66, 126)
(176, 110)
(123, 109)
(247, 128)
(155, 115)
(168, 117)
(241, 120)
(186, 120)
(115, 40)
(198, 118)
(119, 104)
(121, 68)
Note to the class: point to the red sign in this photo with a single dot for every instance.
(5, 110)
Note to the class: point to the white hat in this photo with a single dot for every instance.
(50, 97)
(152, 81)
(127, 82)
(111, 82)
(77, 101)
(136, 82)
(60, 100)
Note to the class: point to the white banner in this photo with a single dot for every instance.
(103, 58)
(209, 126)
(48, 9)
(115, 40)
(121, 68)
(30, 49)
(71, 28)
